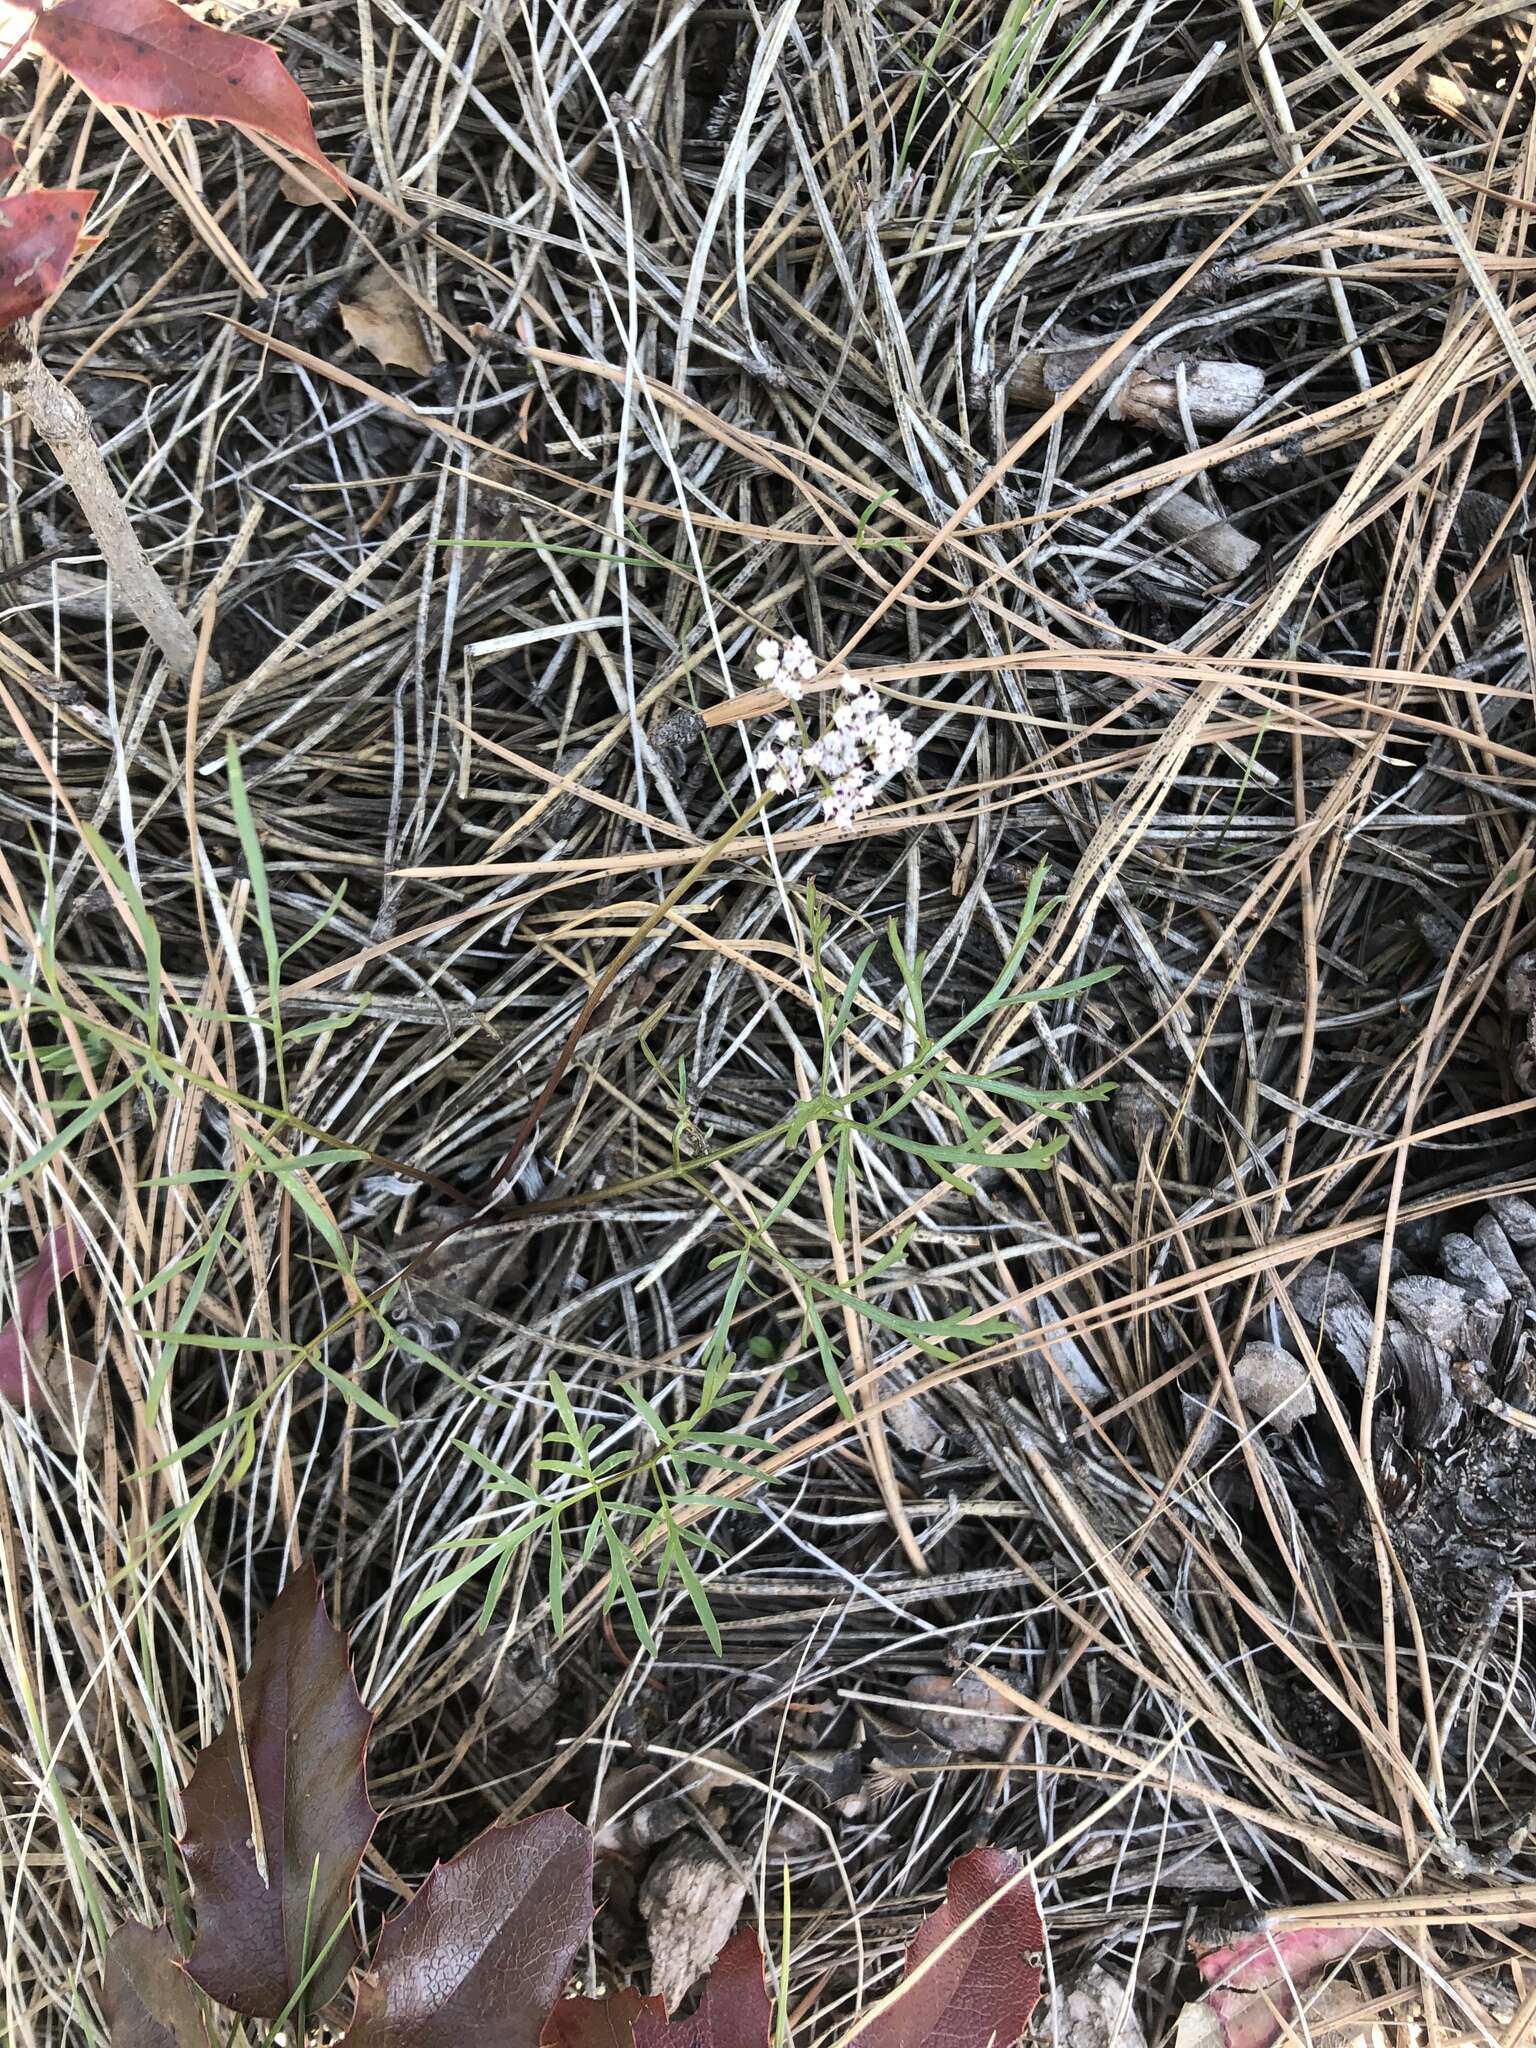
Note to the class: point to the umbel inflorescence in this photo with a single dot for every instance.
(850, 759)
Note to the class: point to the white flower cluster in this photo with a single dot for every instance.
(862, 748)
(788, 668)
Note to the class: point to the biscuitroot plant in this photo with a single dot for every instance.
(156, 58)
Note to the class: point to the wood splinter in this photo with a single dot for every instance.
(1212, 540)
(1218, 394)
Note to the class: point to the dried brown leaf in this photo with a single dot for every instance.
(155, 56)
(734, 2009)
(381, 319)
(146, 1994)
(607, 2022)
(64, 1248)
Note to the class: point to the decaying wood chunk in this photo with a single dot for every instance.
(1204, 534)
(1274, 1388)
(691, 1900)
(1218, 394)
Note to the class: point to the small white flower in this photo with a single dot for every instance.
(891, 747)
(833, 754)
(858, 717)
(845, 798)
(798, 662)
(858, 750)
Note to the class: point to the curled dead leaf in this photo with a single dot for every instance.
(148, 1998)
(960, 1712)
(268, 1924)
(974, 1969)
(64, 1248)
(479, 1956)
(1274, 1388)
(734, 2010)
(301, 188)
(39, 233)
(157, 57)
(380, 318)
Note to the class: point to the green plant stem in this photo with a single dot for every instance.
(603, 988)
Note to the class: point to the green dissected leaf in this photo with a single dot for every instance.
(911, 972)
(850, 994)
(841, 1173)
(260, 1942)
(147, 1996)
(892, 1256)
(480, 1955)
(621, 1585)
(556, 1574)
(1044, 1099)
(828, 1357)
(1031, 1160)
(144, 925)
(646, 1411)
(693, 1585)
(484, 1553)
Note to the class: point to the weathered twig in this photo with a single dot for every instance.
(1218, 394)
(1204, 534)
(61, 420)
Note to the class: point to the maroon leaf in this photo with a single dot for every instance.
(154, 56)
(9, 160)
(479, 1956)
(733, 2010)
(64, 1248)
(306, 1730)
(1273, 1955)
(148, 1998)
(1257, 1981)
(973, 1971)
(598, 2022)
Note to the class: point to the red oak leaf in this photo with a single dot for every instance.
(148, 1998)
(9, 161)
(64, 1248)
(154, 56)
(306, 1731)
(479, 1956)
(973, 1970)
(733, 2009)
